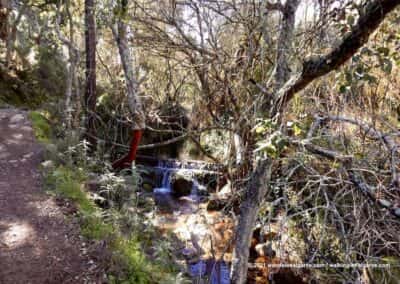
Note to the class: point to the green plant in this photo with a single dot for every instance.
(41, 126)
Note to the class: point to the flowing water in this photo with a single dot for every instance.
(192, 224)
(167, 168)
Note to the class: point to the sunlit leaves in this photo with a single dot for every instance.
(386, 65)
(364, 66)
(264, 126)
(273, 146)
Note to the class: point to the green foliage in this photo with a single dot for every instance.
(115, 190)
(67, 184)
(364, 66)
(93, 227)
(118, 226)
(18, 89)
(41, 126)
(136, 268)
(50, 71)
(264, 126)
(273, 146)
(131, 265)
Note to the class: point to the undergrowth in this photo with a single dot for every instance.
(66, 171)
(41, 126)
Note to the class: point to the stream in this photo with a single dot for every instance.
(204, 234)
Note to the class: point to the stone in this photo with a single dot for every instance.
(93, 185)
(385, 203)
(146, 203)
(189, 253)
(181, 186)
(216, 204)
(265, 249)
(147, 187)
(226, 191)
(209, 180)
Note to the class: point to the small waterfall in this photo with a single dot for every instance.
(183, 212)
(165, 184)
(167, 168)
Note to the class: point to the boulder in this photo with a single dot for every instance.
(146, 203)
(149, 179)
(265, 249)
(93, 184)
(181, 186)
(147, 187)
(209, 180)
(226, 191)
(203, 193)
(216, 204)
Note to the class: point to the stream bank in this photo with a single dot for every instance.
(188, 206)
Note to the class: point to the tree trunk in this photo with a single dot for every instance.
(255, 193)
(4, 14)
(12, 33)
(258, 185)
(90, 94)
(132, 86)
(121, 36)
(73, 60)
(284, 44)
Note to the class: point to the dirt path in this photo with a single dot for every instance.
(37, 243)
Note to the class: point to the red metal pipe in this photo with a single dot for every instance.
(127, 160)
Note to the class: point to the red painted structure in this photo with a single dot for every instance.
(127, 160)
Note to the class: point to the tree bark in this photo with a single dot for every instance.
(285, 87)
(121, 36)
(73, 54)
(284, 45)
(12, 33)
(257, 188)
(132, 86)
(4, 14)
(314, 67)
(255, 193)
(90, 94)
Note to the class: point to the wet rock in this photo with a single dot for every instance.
(149, 181)
(181, 186)
(93, 185)
(148, 187)
(226, 191)
(216, 204)
(148, 175)
(209, 180)
(190, 254)
(146, 203)
(286, 275)
(265, 249)
(203, 193)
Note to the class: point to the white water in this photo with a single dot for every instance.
(167, 169)
(165, 187)
(185, 215)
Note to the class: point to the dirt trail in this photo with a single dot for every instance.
(37, 243)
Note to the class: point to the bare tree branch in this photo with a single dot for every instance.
(373, 14)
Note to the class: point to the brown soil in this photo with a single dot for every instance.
(38, 243)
